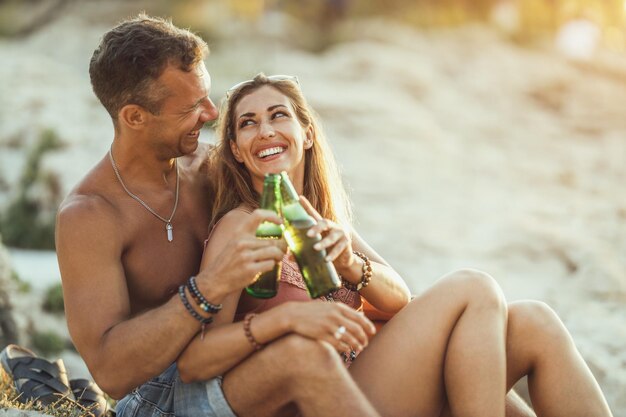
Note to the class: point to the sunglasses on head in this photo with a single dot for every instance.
(237, 86)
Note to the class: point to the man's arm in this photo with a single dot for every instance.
(121, 352)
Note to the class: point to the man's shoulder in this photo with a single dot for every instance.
(87, 213)
(90, 200)
(78, 203)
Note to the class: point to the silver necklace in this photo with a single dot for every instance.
(168, 222)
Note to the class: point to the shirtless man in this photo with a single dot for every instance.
(132, 232)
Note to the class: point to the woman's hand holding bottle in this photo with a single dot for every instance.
(337, 242)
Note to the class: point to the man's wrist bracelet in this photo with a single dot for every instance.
(200, 300)
(203, 320)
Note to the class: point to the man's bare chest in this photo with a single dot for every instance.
(153, 265)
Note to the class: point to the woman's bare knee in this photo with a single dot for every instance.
(535, 335)
(282, 373)
(479, 288)
(306, 356)
(536, 321)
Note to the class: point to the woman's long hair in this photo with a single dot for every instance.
(322, 181)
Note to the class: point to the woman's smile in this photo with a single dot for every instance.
(270, 152)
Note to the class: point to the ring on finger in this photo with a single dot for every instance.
(341, 330)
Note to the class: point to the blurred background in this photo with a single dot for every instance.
(484, 133)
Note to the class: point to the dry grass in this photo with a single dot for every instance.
(62, 408)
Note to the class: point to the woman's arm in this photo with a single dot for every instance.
(224, 343)
(386, 291)
(223, 347)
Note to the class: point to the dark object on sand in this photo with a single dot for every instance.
(35, 378)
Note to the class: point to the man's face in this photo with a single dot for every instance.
(187, 107)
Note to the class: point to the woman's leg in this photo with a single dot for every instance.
(559, 381)
(449, 341)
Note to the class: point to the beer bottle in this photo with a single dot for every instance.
(319, 275)
(266, 283)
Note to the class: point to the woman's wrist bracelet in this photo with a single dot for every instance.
(203, 320)
(246, 329)
(202, 302)
(366, 275)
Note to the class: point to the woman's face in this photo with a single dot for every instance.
(269, 136)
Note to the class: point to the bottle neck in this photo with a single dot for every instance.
(291, 208)
(271, 195)
(270, 200)
(288, 191)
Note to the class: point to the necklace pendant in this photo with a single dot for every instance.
(170, 234)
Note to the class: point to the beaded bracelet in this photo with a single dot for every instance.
(202, 302)
(246, 329)
(203, 320)
(365, 277)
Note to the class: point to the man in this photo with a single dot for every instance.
(132, 231)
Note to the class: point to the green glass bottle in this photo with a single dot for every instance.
(266, 283)
(319, 275)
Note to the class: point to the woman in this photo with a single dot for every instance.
(455, 349)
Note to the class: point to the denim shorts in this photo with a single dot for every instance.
(167, 395)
